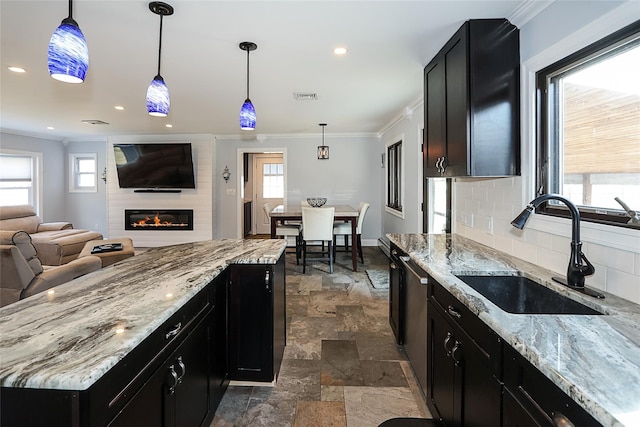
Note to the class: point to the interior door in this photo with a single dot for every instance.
(268, 187)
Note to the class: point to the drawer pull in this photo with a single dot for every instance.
(559, 420)
(393, 266)
(454, 312)
(173, 332)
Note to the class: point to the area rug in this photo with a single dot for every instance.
(379, 278)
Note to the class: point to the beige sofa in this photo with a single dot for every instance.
(57, 243)
(22, 274)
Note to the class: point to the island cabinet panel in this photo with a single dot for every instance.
(175, 377)
(531, 399)
(464, 364)
(256, 321)
(471, 112)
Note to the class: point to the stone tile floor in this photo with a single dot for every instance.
(341, 365)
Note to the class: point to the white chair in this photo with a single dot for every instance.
(317, 225)
(286, 230)
(344, 229)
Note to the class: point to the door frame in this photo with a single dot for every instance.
(239, 182)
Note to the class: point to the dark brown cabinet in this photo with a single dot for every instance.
(531, 399)
(396, 295)
(463, 361)
(256, 321)
(471, 97)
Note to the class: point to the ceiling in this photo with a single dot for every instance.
(389, 43)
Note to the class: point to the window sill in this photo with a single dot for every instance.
(394, 212)
(606, 235)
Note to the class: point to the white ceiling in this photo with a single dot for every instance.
(389, 44)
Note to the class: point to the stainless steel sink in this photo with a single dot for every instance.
(520, 295)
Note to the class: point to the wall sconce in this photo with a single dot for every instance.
(226, 174)
(323, 150)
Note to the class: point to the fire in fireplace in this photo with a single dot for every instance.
(158, 219)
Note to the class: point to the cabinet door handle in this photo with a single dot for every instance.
(447, 340)
(173, 332)
(393, 266)
(443, 165)
(454, 312)
(456, 353)
(267, 279)
(394, 252)
(438, 164)
(183, 369)
(174, 376)
(559, 420)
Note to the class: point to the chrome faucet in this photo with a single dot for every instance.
(577, 270)
(634, 215)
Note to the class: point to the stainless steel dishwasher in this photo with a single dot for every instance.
(415, 319)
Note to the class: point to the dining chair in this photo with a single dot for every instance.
(344, 229)
(317, 225)
(286, 230)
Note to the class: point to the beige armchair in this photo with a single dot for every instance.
(22, 274)
(56, 242)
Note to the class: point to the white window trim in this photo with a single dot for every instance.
(72, 173)
(39, 190)
(605, 235)
(393, 141)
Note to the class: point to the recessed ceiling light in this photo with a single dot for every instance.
(168, 125)
(17, 69)
(340, 50)
(119, 107)
(50, 127)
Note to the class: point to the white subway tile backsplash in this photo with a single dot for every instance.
(614, 258)
(547, 245)
(624, 285)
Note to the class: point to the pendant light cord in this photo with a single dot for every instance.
(160, 45)
(70, 9)
(247, 73)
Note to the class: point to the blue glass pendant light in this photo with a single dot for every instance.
(68, 52)
(248, 112)
(158, 93)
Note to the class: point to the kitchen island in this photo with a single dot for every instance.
(73, 338)
(594, 359)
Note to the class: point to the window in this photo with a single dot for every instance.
(394, 176)
(439, 205)
(83, 173)
(589, 129)
(19, 178)
(272, 180)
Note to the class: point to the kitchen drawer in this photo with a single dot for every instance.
(109, 394)
(488, 342)
(537, 397)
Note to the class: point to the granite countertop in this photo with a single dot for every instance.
(594, 359)
(67, 340)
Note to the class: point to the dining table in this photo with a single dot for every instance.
(282, 213)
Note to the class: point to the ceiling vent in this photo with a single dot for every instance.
(95, 122)
(305, 96)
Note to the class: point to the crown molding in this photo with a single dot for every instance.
(527, 10)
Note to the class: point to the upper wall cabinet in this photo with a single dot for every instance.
(472, 103)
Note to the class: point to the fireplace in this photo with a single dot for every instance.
(158, 219)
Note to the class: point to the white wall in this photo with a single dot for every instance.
(200, 199)
(351, 174)
(408, 127)
(561, 29)
(87, 210)
(54, 173)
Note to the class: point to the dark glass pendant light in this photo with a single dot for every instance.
(158, 101)
(68, 56)
(248, 112)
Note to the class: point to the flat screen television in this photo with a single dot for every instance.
(154, 166)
